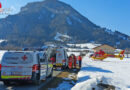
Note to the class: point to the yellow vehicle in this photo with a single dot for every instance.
(102, 55)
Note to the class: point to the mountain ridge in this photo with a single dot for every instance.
(38, 22)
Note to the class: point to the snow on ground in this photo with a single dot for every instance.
(111, 71)
(63, 86)
(76, 50)
(88, 45)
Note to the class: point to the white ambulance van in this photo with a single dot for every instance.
(1, 55)
(60, 55)
(22, 66)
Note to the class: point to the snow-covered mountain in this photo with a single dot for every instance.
(39, 22)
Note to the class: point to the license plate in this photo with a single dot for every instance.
(58, 68)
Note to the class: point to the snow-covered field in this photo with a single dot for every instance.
(111, 71)
(88, 45)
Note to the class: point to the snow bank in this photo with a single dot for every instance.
(87, 83)
(63, 86)
(111, 71)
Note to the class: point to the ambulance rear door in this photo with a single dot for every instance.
(17, 65)
(43, 65)
(60, 58)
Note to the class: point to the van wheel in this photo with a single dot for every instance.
(6, 83)
(37, 81)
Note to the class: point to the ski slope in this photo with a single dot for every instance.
(111, 71)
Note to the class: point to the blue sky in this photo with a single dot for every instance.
(112, 14)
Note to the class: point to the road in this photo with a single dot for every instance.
(28, 86)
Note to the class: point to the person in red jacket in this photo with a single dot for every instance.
(53, 60)
(70, 62)
(80, 61)
(75, 60)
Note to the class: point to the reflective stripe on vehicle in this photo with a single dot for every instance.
(8, 66)
(18, 66)
(16, 77)
(58, 64)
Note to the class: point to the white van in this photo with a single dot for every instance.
(60, 55)
(25, 65)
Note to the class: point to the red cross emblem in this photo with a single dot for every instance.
(24, 57)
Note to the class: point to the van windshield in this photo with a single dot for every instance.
(17, 58)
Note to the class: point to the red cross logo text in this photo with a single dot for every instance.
(0, 5)
(24, 57)
(4, 10)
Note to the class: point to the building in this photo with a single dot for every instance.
(106, 48)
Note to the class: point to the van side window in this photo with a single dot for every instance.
(42, 57)
(49, 60)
